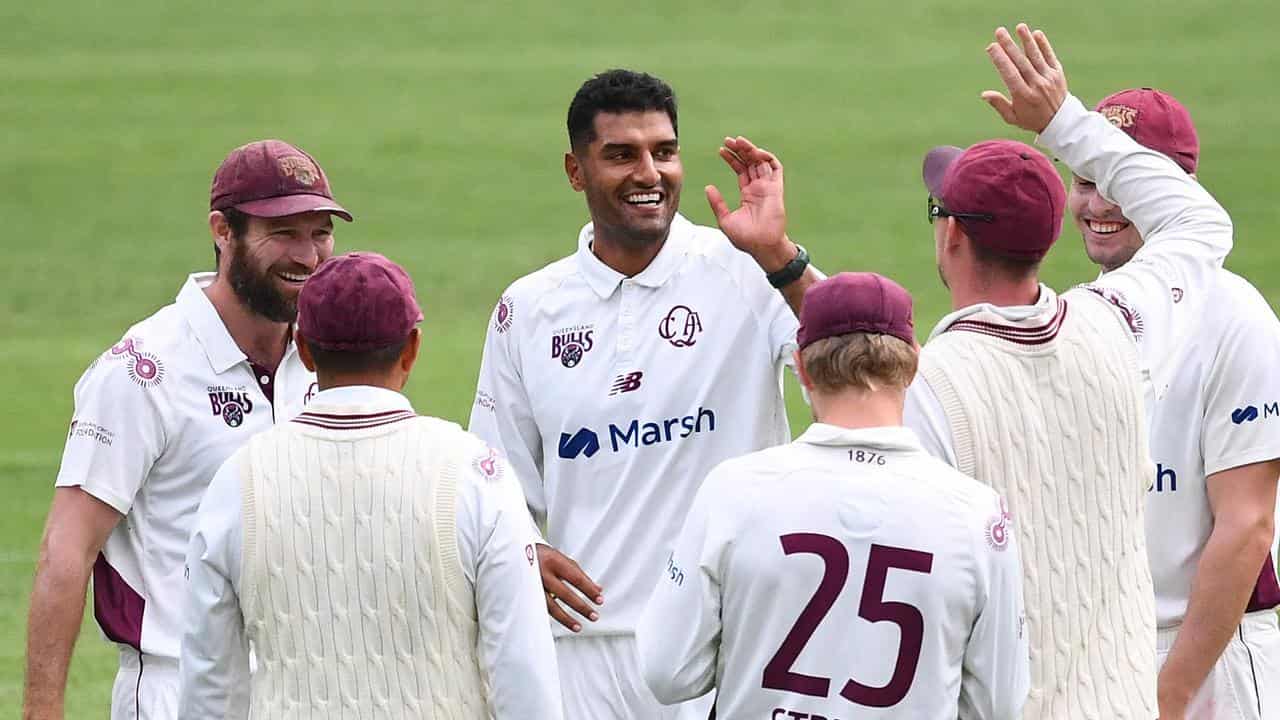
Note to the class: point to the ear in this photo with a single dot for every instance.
(409, 355)
(953, 235)
(801, 372)
(304, 351)
(220, 229)
(573, 170)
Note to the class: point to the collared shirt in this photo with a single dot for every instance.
(613, 396)
(155, 416)
(495, 550)
(846, 571)
(1160, 294)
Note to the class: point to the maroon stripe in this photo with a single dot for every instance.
(117, 607)
(361, 426)
(1266, 593)
(339, 416)
(1006, 333)
(1047, 327)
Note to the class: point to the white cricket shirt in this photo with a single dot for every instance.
(847, 574)
(495, 550)
(154, 418)
(613, 397)
(1161, 293)
(1222, 411)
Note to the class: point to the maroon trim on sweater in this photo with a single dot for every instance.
(1038, 335)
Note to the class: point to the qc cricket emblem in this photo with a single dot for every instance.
(681, 326)
(570, 344)
(230, 404)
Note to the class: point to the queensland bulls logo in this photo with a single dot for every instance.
(231, 404)
(1122, 116)
(570, 344)
(681, 326)
(298, 168)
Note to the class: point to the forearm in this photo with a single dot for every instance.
(1225, 577)
(53, 624)
(774, 259)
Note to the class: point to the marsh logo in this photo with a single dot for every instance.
(1249, 413)
(637, 433)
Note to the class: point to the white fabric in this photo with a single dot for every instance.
(732, 594)
(1225, 371)
(612, 443)
(145, 688)
(495, 557)
(600, 678)
(1049, 412)
(1245, 682)
(154, 417)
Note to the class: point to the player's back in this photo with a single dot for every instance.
(855, 571)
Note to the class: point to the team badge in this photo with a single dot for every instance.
(144, 368)
(298, 168)
(1132, 317)
(681, 326)
(1122, 116)
(572, 343)
(529, 554)
(1177, 295)
(230, 404)
(489, 465)
(504, 314)
(999, 527)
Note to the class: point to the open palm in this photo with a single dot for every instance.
(759, 223)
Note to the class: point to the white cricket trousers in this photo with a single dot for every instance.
(600, 680)
(146, 687)
(1245, 682)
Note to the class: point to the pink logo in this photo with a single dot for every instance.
(489, 465)
(999, 527)
(529, 554)
(681, 326)
(144, 368)
(504, 314)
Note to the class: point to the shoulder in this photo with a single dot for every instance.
(710, 248)
(521, 298)
(145, 355)
(1238, 304)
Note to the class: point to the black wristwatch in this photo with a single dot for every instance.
(792, 271)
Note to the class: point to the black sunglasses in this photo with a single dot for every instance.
(937, 211)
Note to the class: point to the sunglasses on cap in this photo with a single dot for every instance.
(937, 211)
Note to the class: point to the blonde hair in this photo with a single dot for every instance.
(860, 361)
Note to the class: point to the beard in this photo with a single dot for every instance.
(257, 289)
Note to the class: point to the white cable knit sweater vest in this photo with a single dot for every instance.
(351, 588)
(1051, 416)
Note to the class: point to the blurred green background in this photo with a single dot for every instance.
(441, 126)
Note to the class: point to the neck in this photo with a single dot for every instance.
(263, 340)
(857, 409)
(329, 381)
(1002, 293)
(623, 254)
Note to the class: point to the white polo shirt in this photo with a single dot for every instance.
(613, 397)
(847, 574)
(155, 416)
(495, 551)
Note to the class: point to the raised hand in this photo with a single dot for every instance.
(758, 226)
(1033, 76)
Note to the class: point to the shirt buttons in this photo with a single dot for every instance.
(264, 379)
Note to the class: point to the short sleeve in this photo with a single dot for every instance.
(1242, 393)
(116, 433)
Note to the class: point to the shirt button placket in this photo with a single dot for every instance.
(626, 322)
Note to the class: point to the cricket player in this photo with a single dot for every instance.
(1215, 438)
(1042, 395)
(381, 564)
(615, 378)
(848, 574)
(157, 413)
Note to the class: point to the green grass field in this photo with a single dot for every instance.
(441, 128)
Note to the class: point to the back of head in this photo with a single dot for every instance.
(1156, 120)
(856, 333)
(1005, 195)
(356, 314)
(617, 91)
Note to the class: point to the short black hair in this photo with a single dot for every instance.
(238, 222)
(1014, 267)
(617, 91)
(342, 362)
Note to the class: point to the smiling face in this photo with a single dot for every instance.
(1110, 240)
(631, 174)
(270, 261)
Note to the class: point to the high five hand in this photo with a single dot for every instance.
(1033, 76)
(758, 226)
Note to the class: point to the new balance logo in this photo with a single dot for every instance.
(1242, 415)
(583, 442)
(626, 383)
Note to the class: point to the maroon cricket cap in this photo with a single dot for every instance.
(853, 302)
(271, 178)
(357, 302)
(1157, 121)
(1012, 185)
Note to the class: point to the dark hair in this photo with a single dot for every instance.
(342, 362)
(617, 91)
(1013, 267)
(238, 222)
